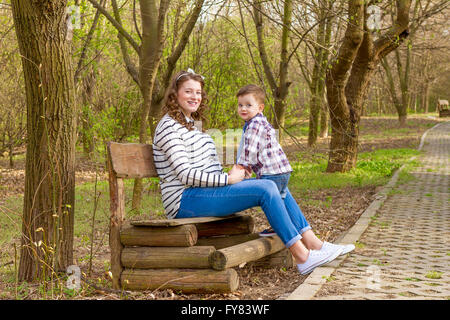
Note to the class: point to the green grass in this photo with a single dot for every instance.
(434, 275)
(373, 168)
(10, 212)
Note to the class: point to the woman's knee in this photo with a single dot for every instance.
(267, 187)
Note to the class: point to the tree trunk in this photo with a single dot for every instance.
(317, 86)
(324, 119)
(403, 76)
(47, 227)
(344, 130)
(398, 104)
(358, 55)
(425, 97)
(149, 60)
(280, 89)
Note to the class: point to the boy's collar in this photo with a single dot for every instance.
(256, 116)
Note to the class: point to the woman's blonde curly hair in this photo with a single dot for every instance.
(172, 107)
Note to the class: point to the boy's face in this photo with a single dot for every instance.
(248, 106)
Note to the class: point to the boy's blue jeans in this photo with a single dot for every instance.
(284, 215)
(281, 180)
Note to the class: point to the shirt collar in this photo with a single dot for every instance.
(258, 115)
(189, 120)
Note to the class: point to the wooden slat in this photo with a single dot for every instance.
(180, 222)
(184, 280)
(132, 160)
(117, 213)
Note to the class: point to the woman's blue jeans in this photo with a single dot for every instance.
(284, 215)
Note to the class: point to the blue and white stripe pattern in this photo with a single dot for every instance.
(184, 159)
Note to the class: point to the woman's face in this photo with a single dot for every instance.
(189, 96)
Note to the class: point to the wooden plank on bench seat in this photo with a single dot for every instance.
(181, 221)
(131, 160)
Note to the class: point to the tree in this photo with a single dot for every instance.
(280, 89)
(150, 52)
(423, 10)
(316, 77)
(348, 78)
(48, 220)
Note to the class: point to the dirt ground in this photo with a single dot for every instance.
(328, 222)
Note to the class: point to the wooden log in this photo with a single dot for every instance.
(181, 236)
(245, 252)
(167, 257)
(280, 259)
(185, 280)
(242, 224)
(117, 213)
(220, 242)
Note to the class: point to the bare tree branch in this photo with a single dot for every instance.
(117, 25)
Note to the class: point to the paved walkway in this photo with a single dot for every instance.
(404, 252)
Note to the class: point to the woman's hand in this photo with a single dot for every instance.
(236, 174)
(248, 170)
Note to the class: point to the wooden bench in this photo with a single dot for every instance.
(443, 109)
(194, 255)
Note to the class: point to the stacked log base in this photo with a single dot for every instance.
(185, 280)
(194, 255)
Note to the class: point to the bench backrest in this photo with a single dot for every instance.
(131, 160)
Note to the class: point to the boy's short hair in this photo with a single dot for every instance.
(254, 90)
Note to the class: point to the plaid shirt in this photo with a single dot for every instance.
(260, 149)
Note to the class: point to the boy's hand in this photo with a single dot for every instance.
(236, 174)
(248, 170)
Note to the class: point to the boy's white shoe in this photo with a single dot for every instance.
(317, 258)
(346, 248)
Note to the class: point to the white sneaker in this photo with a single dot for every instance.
(317, 258)
(346, 248)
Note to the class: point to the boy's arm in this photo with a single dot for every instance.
(254, 141)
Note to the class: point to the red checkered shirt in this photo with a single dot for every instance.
(260, 148)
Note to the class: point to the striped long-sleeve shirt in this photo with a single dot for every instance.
(184, 159)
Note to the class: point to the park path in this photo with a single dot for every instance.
(405, 251)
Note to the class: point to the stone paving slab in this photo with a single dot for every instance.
(403, 250)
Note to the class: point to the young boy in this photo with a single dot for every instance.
(259, 149)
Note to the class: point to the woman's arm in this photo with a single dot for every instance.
(169, 140)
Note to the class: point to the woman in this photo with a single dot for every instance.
(193, 183)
